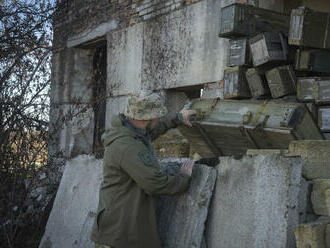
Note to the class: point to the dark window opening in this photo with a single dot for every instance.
(99, 97)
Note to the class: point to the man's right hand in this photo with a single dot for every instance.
(187, 167)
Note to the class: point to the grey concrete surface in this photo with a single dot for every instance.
(255, 203)
(72, 216)
(181, 218)
(321, 197)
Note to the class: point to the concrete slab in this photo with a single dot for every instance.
(183, 48)
(73, 212)
(255, 202)
(321, 197)
(181, 218)
(125, 49)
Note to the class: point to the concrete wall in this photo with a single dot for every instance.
(168, 49)
(257, 202)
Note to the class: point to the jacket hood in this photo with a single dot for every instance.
(117, 130)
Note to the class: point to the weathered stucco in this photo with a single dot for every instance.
(255, 202)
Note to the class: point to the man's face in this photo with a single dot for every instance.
(152, 123)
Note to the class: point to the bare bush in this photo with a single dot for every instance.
(25, 54)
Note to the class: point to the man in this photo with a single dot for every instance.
(131, 175)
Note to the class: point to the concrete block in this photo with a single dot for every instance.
(71, 130)
(181, 48)
(181, 218)
(321, 197)
(124, 60)
(255, 202)
(73, 212)
(79, 89)
(311, 235)
(316, 155)
(62, 73)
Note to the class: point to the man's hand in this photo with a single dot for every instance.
(187, 167)
(186, 114)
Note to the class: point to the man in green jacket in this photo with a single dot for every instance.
(132, 177)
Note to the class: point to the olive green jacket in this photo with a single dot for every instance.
(131, 177)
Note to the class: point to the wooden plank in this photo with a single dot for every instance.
(268, 48)
(281, 81)
(309, 28)
(242, 20)
(257, 83)
(235, 84)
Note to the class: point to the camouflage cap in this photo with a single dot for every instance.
(146, 106)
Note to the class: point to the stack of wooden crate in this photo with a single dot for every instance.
(273, 56)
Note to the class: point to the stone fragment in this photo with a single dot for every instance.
(255, 202)
(181, 218)
(316, 155)
(72, 216)
(321, 197)
(311, 235)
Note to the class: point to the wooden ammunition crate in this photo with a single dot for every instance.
(242, 20)
(281, 81)
(235, 84)
(313, 60)
(257, 83)
(324, 118)
(228, 127)
(309, 28)
(313, 89)
(268, 48)
(239, 53)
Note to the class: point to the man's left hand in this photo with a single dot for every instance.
(186, 114)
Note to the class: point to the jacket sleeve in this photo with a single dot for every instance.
(143, 168)
(171, 120)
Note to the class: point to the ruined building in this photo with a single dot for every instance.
(106, 50)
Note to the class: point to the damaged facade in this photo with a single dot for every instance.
(107, 50)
